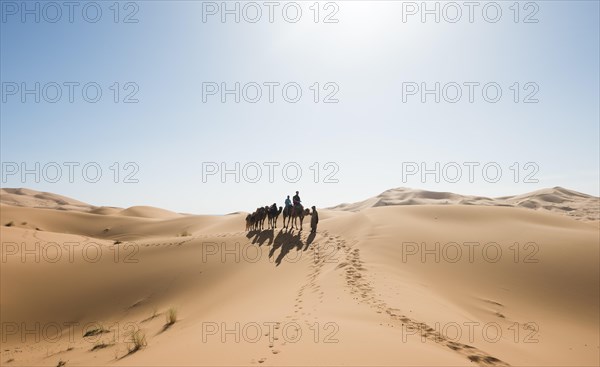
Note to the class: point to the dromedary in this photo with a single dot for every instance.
(287, 214)
(273, 215)
(299, 212)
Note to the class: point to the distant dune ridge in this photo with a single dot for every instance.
(36, 199)
(386, 281)
(557, 200)
(45, 200)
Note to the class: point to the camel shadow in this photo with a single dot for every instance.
(286, 240)
(252, 233)
(265, 235)
(260, 237)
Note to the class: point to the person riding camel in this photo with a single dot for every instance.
(288, 202)
(296, 199)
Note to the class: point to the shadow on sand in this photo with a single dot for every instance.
(286, 240)
(260, 237)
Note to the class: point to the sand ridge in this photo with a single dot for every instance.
(557, 200)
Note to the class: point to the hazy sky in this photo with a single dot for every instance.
(372, 60)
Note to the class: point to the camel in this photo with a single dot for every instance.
(258, 218)
(264, 213)
(273, 215)
(299, 212)
(254, 220)
(287, 214)
(249, 222)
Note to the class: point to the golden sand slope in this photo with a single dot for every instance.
(507, 286)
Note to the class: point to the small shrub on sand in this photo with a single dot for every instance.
(138, 341)
(9, 224)
(171, 316)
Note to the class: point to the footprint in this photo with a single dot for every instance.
(355, 280)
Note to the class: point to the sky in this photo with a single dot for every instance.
(216, 107)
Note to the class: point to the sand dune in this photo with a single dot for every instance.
(105, 210)
(36, 199)
(148, 212)
(381, 284)
(558, 200)
(44, 200)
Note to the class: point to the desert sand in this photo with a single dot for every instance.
(409, 277)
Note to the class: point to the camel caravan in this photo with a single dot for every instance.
(291, 214)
